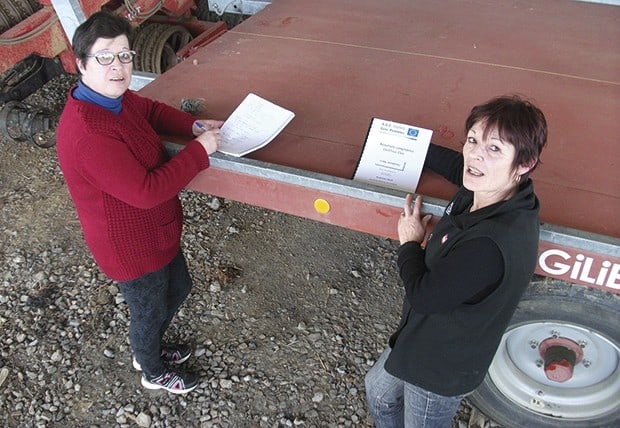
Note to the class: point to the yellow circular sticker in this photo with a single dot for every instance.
(321, 206)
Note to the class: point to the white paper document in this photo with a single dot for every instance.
(393, 155)
(253, 124)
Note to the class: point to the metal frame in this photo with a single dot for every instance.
(562, 236)
(70, 14)
(579, 257)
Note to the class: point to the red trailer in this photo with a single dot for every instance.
(337, 64)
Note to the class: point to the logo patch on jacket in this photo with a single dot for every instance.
(444, 238)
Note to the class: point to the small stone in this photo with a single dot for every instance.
(143, 420)
(477, 419)
(214, 204)
(4, 373)
(56, 356)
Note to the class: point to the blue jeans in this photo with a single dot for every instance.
(153, 299)
(395, 403)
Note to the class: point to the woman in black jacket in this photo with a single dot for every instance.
(463, 285)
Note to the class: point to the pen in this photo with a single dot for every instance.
(201, 126)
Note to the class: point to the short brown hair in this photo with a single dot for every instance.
(518, 122)
(102, 24)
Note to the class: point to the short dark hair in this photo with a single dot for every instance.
(518, 122)
(102, 24)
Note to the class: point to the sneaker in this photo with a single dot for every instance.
(172, 381)
(172, 354)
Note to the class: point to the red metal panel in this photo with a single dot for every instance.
(344, 211)
(143, 9)
(40, 33)
(578, 266)
(556, 261)
(337, 64)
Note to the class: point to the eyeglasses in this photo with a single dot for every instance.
(107, 58)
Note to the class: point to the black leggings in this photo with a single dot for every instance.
(153, 299)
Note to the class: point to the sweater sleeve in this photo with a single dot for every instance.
(469, 273)
(446, 162)
(110, 166)
(163, 118)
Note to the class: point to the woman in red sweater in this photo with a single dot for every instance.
(125, 189)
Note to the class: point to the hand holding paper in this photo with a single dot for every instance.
(253, 124)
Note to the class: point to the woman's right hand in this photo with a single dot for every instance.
(210, 140)
(412, 224)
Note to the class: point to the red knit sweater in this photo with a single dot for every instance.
(123, 183)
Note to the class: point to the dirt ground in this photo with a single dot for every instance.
(288, 294)
(286, 316)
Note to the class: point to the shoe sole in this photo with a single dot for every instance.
(153, 386)
(138, 367)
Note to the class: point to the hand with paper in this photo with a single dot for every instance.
(253, 124)
(208, 134)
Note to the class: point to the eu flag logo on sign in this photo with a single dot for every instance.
(412, 132)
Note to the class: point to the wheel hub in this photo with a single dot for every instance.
(560, 355)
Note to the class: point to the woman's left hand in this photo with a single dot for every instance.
(203, 125)
(411, 224)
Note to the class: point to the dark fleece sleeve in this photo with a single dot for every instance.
(469, 273)
(446, 162)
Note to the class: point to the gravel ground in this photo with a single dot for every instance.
(286, 316)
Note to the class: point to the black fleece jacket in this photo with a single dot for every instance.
(463, 287)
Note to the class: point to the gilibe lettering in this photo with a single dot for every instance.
(559, 263)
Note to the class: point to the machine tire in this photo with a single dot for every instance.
(567, 306)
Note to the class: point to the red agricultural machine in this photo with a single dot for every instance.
(35, 45)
